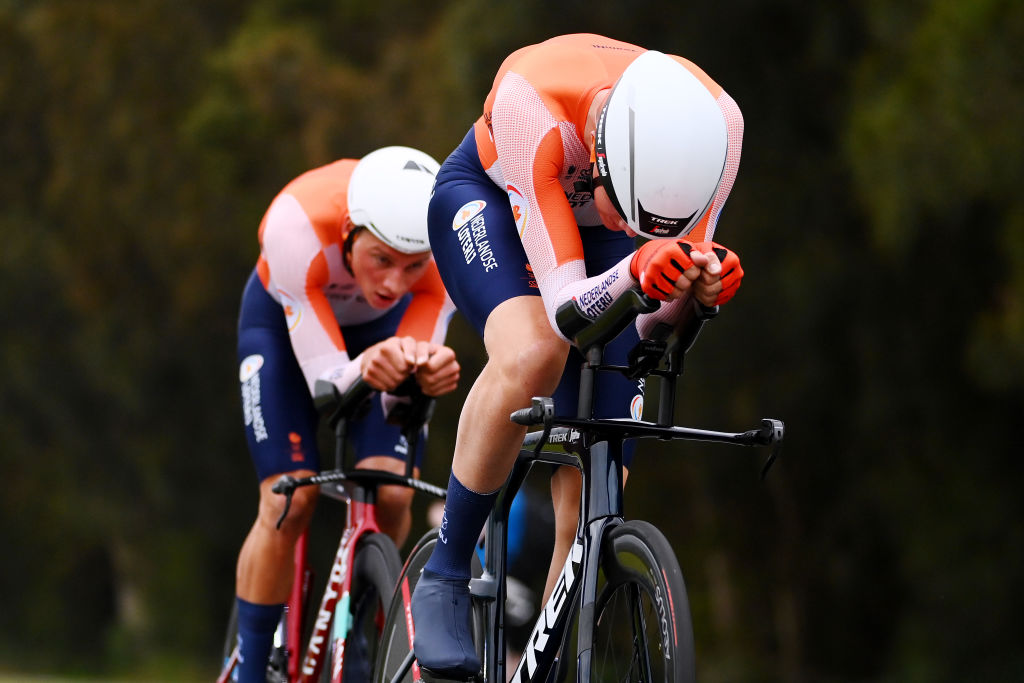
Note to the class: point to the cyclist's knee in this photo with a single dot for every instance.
(394, 512)
(393, 501)
(535, 365)
(300, 510)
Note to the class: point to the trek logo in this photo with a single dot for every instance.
(571, 436)
(318, 639)
(466, 213)
(663, 226)
(552, 611)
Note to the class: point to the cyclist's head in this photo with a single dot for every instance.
(660, 147)
(388, 194)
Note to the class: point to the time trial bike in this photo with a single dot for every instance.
(620, 598)
(366, 566)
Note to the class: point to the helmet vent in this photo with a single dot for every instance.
(413, 166)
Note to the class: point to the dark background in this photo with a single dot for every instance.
(877, 212)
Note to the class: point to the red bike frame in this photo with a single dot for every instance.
(360, 519)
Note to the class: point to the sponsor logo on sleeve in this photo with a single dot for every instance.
(292, 309)
(596, 299)
(519, 207)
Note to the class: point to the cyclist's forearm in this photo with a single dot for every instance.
(592, 295)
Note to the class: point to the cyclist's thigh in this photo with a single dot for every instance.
(280, 419)
(474, 238)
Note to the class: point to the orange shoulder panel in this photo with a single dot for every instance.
(316, 279)
(566, 72)
(554, 208)
(428, 300)
(323, 195)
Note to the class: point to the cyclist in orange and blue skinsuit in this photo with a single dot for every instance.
(584, 143)
(344, 287)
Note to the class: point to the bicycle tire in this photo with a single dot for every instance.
(396, 642)
(375, 572)
(642, 625)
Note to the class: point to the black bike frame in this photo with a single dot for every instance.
(597, 453)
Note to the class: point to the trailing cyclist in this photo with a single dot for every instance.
(584, 143)
(345, 286)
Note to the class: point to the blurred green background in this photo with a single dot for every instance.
(877, 212)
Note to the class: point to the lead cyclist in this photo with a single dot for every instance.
(584, 144)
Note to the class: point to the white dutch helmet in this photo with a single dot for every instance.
(388, 194)
(660, 146)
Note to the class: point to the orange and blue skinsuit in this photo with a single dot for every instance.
(513, 211)
(303, 318)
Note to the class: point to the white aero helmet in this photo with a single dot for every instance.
(660, 146)
(388, 194)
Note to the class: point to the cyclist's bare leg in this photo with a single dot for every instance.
(566, 484)
(265, 564)
(394, 503)
(525, 358)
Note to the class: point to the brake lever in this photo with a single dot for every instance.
(286, 487)
(774, 431)
(546, 407)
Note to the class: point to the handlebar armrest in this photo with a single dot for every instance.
(586, 332)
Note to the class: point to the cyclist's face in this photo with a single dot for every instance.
(384, 274)
(609, 216)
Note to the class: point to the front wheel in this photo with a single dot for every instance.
(375, 571)
(642, 627)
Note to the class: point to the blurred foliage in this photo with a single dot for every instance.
(882, 316)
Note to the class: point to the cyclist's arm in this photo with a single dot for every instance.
(426, 320)
(430, 310)
(532, 153)
(298, 272)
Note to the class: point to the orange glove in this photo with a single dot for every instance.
(732, 271)
(657, 264)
